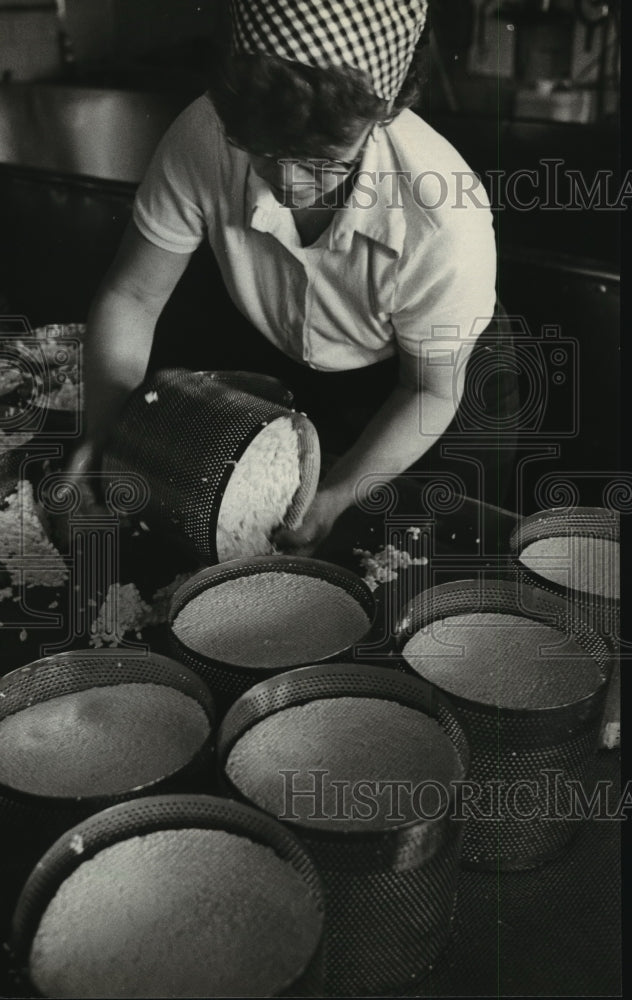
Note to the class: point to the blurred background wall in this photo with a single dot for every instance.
(546, 59)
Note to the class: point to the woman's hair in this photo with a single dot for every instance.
(269, 104)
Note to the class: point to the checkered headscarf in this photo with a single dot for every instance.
(378, 36)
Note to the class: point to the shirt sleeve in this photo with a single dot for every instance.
(171, 203)
(446, 291)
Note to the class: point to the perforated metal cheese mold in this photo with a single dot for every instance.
(30, 823)
(390, 893)
(229, 680)
(255, 383)
(184, 432)
(601, 611)
(150, 815)
(518, 745)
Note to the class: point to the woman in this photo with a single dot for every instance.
(351, 236)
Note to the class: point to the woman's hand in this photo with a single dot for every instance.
(80, 471)
(83, 459)
(389, 444)
(316, 526)
(83, 470)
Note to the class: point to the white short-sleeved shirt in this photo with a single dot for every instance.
(408, 263)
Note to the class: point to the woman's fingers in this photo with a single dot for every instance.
(299, 542)
(316, 526)
(303, 540)
(80, 474)
(82, 460)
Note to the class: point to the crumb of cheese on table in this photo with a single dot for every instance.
(384, 565)
(124, 610)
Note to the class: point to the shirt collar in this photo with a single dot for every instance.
(264, 213)
(374, 209)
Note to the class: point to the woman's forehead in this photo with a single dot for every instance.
(309, 145)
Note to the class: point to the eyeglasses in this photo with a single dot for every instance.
(322, 166)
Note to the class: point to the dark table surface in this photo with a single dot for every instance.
(550, 932)
(554, 931)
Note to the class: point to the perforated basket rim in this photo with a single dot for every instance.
(538, 524)
(203, 697)
(228, 375)
(196, 812)
(414, 694)
(299, 566)
(543, 525)
(434, 613)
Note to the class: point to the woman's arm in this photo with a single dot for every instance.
(411, 420)
(120, 333)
